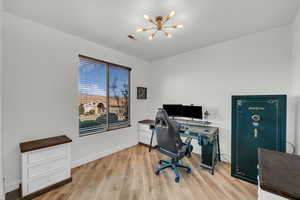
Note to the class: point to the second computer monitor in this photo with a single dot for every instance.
(173, 110)
(192, 112)
(178, 110)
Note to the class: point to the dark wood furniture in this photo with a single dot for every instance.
(43, 143)
(279, 173)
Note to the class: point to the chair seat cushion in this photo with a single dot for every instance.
(168, 153)
(186, 150)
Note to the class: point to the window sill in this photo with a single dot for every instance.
(105, 131)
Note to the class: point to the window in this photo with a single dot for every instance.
(104, 96)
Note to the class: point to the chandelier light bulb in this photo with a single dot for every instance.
(150, 37)
(139, 30)
(172, 14)
(146, 17)
(179, 26)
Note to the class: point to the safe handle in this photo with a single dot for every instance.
(255, 133)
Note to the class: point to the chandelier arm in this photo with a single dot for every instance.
(154, 23)
(166, 18)
(149, 28)
(153, 34)
(165, 32)
(151, 21)
(146, 29)
(173, 26)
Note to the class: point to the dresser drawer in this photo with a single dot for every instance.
(45, 181)
(144, 140)
(46, 154)
(45, 168)
(145, 133)
(144, 127)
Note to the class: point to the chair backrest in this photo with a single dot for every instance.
(167, 131)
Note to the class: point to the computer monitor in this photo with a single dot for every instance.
(173, 110)
(192, 112)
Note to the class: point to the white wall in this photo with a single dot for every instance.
(296, 73)
(41, 94)
(254, 64)
(1, 163)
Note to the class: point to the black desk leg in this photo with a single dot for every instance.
(219, 151)
(214, 158)
(150, 147)
(216, 151)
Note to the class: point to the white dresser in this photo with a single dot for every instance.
(46, 164)
(144, 133)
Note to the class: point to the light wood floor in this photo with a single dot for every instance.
(129, 174)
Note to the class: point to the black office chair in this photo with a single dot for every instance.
(170, 143)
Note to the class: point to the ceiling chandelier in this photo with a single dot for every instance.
(158, 23)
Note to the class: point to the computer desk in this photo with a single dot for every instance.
(208, 139)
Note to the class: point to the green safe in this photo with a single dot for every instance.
(258, 121)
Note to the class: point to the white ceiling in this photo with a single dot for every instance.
(108, 22)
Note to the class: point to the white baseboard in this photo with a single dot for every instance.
(10, 186)
(13, 185)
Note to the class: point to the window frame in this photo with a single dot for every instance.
(107, 64)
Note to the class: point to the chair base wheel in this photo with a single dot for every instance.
(173, 164)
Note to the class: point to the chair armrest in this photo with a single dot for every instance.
(186, 145)
(188, 141)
